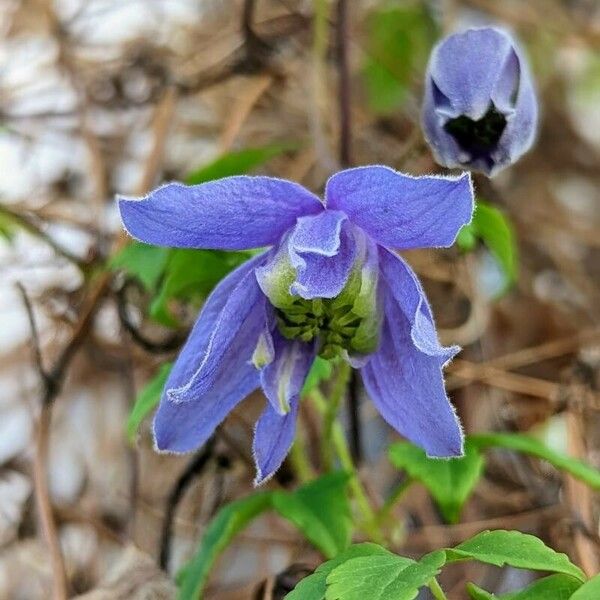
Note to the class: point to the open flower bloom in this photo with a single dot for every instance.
(328, 285)
(480, 109)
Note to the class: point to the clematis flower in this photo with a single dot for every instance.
(329, 285)
(480, 109)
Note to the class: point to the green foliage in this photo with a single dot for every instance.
(589, 590)
(554, 587)
(142, 261)
(494, 229)
(238, 162)
(314, 586)
(191, 274)
(7, 227)
(321, 511)
(383, 577)
(147, 399)
(229, 521)
(450, 482)
(399, 41)
(515, 549)
(529, 445)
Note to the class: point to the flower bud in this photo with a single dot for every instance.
(480, 109)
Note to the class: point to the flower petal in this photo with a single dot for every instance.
(273, 439)
(404, 287)
(401, 211)
(195, 349)
(231, 213)
(322, 250)
(282, 379)
(404, 377)
(237, 309)
(183, 426)
(463, 69)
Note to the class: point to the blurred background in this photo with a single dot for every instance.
(100, 97)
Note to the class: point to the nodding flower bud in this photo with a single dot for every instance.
(480, 109)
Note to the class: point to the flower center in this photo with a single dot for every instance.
(334, 322)
(477, 137)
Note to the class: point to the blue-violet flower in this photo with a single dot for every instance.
(480, 109)
(329, 285)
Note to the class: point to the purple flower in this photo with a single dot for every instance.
(329, 285)
(480, 109)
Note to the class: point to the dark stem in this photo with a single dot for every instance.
(345, 157)
(342, 32)
(194, 469)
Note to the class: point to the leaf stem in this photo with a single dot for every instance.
(397, 493)
(436, 590)
(330, 413)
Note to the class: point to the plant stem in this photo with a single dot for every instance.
(339, 443)
(393, 498)
(299, 460)
(436, 590)
(331, 411)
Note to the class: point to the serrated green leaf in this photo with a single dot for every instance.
(382, 577)
(449, 481)
(314, 586)
(554, 587)
(516, 549)
(237, 163)
(321, 370)
(321, 511)
(143, 261)
(590, 590)
(228, 522)
(495, 230)
(399, 41)
(147, 399)
(529, 445)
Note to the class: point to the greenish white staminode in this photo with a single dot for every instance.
(345, 325)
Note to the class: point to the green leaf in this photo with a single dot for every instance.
(321, 370)
(494, 229)
(516, 549)
(321, 511)
(590, 590)
(191, 274)
(7, 226)
(146, 401)
(143, 261)
(554, 587)
(314, 586)
(229, 521)
(237, 163)
(383, 577)
(449, 481)
(398, 44)
(529, 445)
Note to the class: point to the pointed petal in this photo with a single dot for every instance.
(238, 308)
(184, 426)
(273, 439)
(404, 377)
(322, 250)
(195, 349)
(404, 287)
(231, 213)
(401, 211)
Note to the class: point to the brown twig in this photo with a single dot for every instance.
(40, 478)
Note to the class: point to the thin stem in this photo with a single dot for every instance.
(340, 445)
(300, 463)
(392, 500)
(331, 412)
(436, 590)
